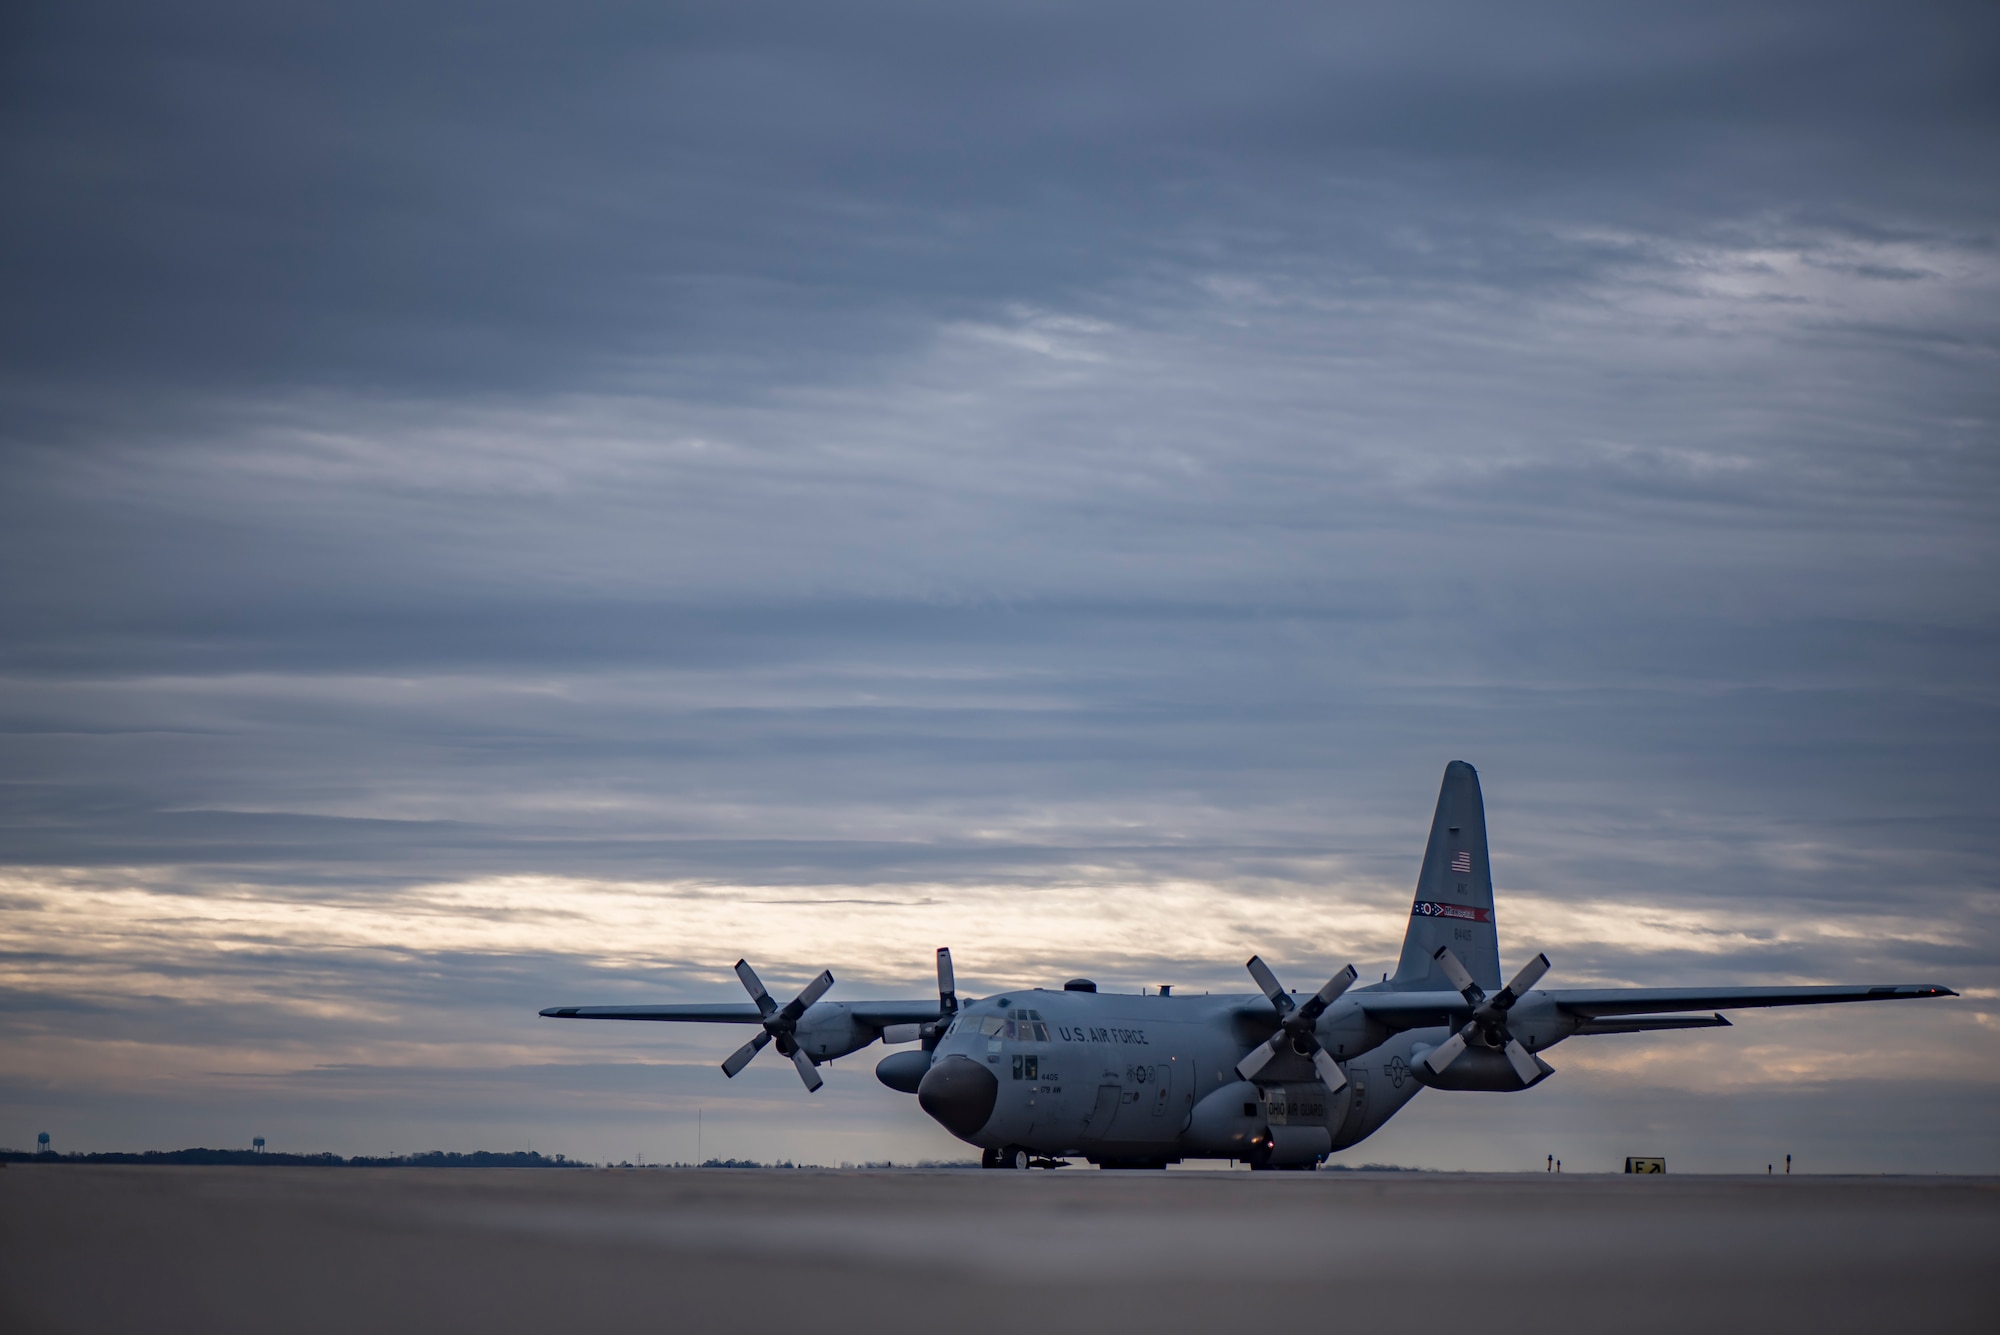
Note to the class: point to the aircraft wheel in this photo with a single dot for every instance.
(1014, 1157)
(990, 1159)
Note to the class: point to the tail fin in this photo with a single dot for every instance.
(1454, 892)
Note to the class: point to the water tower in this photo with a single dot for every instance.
(42, 1143)
(257, 1144)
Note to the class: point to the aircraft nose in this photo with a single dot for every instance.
(960, 1094)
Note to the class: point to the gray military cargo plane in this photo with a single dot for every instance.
(1126, 1081)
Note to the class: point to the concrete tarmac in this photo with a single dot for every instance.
(87, 1249)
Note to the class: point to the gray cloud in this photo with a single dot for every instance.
(901, 452)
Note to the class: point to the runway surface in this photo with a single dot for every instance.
(549, 1250)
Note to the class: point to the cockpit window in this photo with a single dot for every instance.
(1022, 1026)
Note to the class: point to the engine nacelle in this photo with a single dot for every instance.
(1479, 1070)
(830, 1030)
(1346, 1031)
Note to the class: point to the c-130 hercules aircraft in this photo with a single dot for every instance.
(1035, 1076)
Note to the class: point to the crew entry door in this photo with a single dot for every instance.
(1159, 1091)
(1098, 1124)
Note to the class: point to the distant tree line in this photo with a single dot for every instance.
(274, 1159)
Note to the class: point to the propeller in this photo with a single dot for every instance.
(1295, 1025)
(933, 1032)
(1489, 1016)
(780, 1023)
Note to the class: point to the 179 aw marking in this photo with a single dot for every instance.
(1143, 1081)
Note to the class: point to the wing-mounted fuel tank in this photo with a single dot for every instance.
(830, 1030)
(903, 1071)
(1229, 1122)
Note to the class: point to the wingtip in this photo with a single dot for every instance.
(559, 1013)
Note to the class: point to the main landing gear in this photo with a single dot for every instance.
(1011, 1157)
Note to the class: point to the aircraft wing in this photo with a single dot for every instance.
(739, 1012)
(1414, 1010)
(1592, 1003)
(878, 1014)
(1420, 1010)
(884, 1013)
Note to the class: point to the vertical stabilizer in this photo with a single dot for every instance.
(1454, 905)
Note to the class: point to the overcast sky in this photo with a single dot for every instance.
(515, 505)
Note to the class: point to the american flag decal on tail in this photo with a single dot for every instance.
(1461, 862)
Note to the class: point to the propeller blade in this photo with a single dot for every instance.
(1329, 994)
(947, 983)
(1450, 966)
(814, 991)
(741, 1057)
(755, 987)
(1445, 1053)
(1329, 1070)
(1523, 1062)
(1260, 1057)
(801, 1003)
(1531, 973)
(1267, 982)
(807, 1071)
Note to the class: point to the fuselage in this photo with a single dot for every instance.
(1122, 1078)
